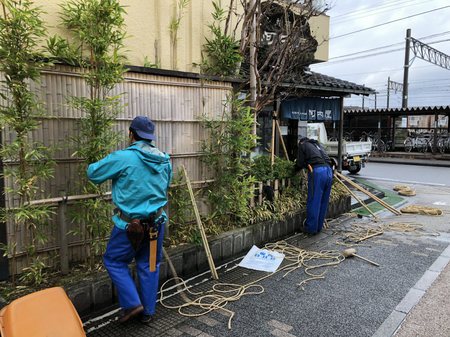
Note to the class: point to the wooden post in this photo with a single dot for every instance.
(200, 227)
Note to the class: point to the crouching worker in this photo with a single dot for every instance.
(140, 177)
(312, 156)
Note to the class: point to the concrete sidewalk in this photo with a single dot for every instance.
(431, 316)
(407, 294)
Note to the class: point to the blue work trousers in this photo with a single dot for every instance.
(319, 189)
(119, 254)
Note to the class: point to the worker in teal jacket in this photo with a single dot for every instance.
(140, 177)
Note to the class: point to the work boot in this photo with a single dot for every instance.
(146, 319)
(130, 313)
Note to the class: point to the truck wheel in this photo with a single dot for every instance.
(356, 170)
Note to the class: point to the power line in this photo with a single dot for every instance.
(389, 22)
(391, 45)
(364, 9)
(376, 11)
(375, 54)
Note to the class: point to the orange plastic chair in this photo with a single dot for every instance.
(46, 313)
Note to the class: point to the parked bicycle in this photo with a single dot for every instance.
(416, 141)
(443, 143)
(377, 143)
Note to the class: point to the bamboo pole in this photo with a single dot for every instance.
(381, 202)
(374, 197)
(356, 197)
(272, 145)
(275, 189)
(200, 227)
(260, 194)
(369, 236)
(281, 139)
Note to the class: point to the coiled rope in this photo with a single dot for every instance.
(223, 293)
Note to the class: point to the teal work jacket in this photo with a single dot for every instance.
(140, 177)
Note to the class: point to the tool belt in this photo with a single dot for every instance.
(139, 229)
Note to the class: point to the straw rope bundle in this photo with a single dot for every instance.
(423, 210)
(404, 190)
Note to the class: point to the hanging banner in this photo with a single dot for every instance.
(311, 109)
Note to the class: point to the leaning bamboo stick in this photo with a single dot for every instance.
(200, 227)
(272, 144)
(281, 139)
(381, 202)
(356, 197)
(374, 197)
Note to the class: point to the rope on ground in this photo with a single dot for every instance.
(423, 210)
(223, 293)
(361, 233)
(404, 190)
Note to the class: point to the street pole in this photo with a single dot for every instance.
(406, 69)
(341, 133)
(388, 89)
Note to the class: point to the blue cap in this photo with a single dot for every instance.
(143, 127)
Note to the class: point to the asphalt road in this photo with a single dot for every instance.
(413, 174)
(354, 298)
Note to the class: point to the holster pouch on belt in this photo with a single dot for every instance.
(135, 233)
(153, 236)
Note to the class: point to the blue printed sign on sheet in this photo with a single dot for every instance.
(262, 259)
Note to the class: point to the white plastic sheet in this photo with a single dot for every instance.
(262, 259)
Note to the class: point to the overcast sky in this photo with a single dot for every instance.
(429, 83)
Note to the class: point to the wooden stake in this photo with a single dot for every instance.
(200, 227)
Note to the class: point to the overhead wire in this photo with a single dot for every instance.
(376, 11)
(389, 22)
(373, 54)
(392, 45)
(365, 9)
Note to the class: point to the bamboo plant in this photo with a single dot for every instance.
(27, 161)
(97, 33)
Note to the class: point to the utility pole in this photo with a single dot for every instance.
(406, 69)
(392, 85)
(387, 99)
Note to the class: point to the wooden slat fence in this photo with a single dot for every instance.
(175, 104)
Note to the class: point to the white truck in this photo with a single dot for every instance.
(354, 154)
